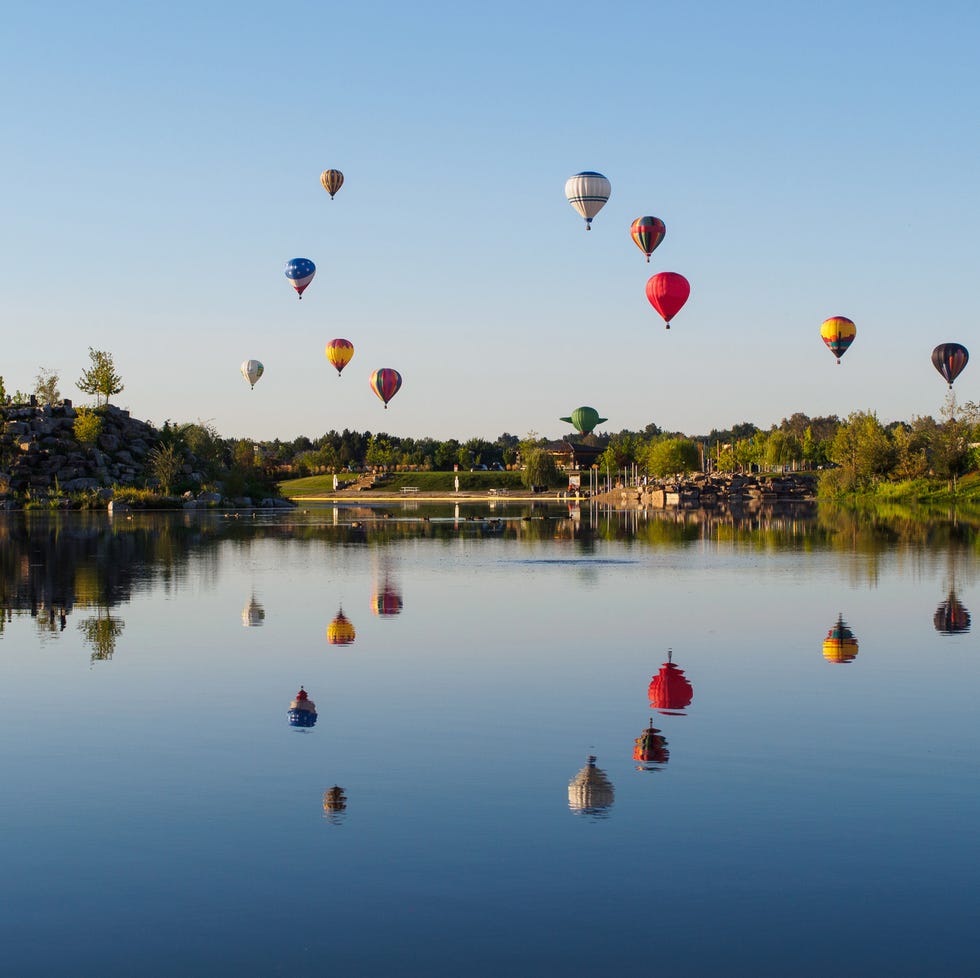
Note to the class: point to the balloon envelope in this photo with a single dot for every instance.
(648, 232)
(332, 181)
(340, 631)
(584, 419)
(339, 353)
(300, 272)
(386, 382)
(667, 292)
(670, 691)
(950, 359)
(252, 370)
(838, 333)
(840, 645)
(588, 192)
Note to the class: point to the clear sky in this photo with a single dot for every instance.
(161, 162)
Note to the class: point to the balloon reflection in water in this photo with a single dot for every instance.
(302, 710)
(340, 631)
(334, 804)
(590, 792)
(951, 618)
(670, 691)
(840, 645)
(650, 749)
(386, 600)
(253, 614)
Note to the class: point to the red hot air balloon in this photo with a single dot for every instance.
(667, 292)
(670, 691)
(386, 383)
(950, 359)
(647, 233)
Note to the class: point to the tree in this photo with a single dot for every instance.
(46, 386)
(672, 455)
(101, 378)
(539, 468)
(863, 450)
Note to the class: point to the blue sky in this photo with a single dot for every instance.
(162, 163)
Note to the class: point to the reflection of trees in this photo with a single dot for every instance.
(100, 634)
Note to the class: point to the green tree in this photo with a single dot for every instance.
(863, 450)
(46, 386)
(782, 448)
(101, 378)
(539, 469)
(672, 455)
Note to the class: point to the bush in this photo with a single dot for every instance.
(88, 426)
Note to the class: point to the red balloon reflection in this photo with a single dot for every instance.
(670, 691)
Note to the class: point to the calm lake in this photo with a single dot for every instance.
(783, 715)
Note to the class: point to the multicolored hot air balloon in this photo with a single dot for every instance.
(302, 710)
(584, 419)
(648, 232)
(332, 181)
(670, 691)
(840, 645)
(650, 749)
(588, 192)
(300, 272)
(590, 792)
(340, 631)
(950, 359)
(339, 353)
(667, 292)
(386, 383)
(251, 371)
(838, 333)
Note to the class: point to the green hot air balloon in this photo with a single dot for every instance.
(584, 419)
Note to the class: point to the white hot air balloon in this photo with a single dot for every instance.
(588, 192)
(252, 370)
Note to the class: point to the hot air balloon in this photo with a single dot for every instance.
(339, 353)
(302, 710)
(251, 371)
(838, 333)
(950, 359)
(584, 419)
(951, 618)
(648, 232)
(332, 181)
(300, 272)
(840, 645)
(590, 792)
(386, 382)
(340, 631)
(587, 192)
(670, 690)
(667, 292)
(650, 749)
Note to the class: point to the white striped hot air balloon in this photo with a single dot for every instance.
(588, 192)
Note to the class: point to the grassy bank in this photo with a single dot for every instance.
(320, 485)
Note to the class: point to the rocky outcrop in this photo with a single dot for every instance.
(718, 489)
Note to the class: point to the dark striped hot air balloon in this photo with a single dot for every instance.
(950, 359)
(332, 181)
(838, 333)
(647, 233)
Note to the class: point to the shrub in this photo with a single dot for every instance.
(88, 426)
